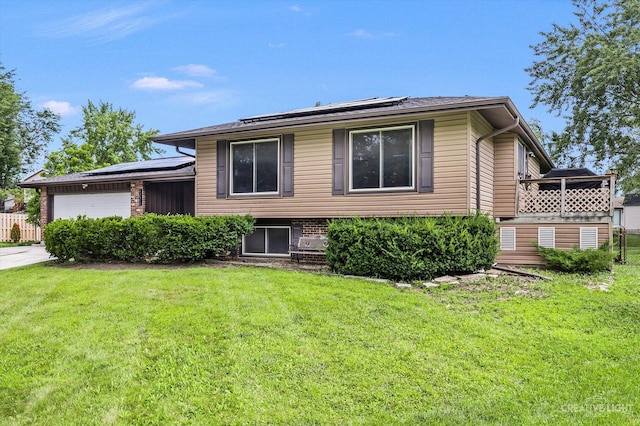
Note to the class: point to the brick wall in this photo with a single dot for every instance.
(44, 206)
(311, 227)
(138, 198)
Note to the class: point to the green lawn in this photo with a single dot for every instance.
(247, 345)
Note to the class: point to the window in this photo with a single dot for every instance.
(267, 240)
(617, 218)
(507, 239)
(382, 159)
(254, 166)
(588, 238)
(547, 237)
(523, 161)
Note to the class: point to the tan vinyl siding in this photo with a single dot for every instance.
(312, 178)
(504, 175)
(480, 127)
(205, 176)
(567, 235)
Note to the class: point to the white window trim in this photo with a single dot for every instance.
(266, 242)
(380, 166)
(588, 237)
(254, 193)
(550, 234)
(503, 231)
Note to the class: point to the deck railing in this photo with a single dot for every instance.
(567, 196)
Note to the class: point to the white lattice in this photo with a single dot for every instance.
(533, 200)
(587, 200)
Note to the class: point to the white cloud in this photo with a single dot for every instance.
(195, 70)
(62, 108)
(206, 97)
(296, 8)
(277, 45)
(162, 83)
(105, 24)
(362, 34)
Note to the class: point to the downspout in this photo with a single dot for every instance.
(497, 132)
(184, 153)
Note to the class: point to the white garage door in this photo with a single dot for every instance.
(69, 206)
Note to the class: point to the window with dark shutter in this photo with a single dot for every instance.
(338, 170)
(425, 156)
(221, 169)
(287, 165)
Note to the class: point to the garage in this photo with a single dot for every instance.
(68, 206)
(161, 186)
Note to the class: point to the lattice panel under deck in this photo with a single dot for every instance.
(576, 200)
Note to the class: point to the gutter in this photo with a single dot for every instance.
(184, 153)
(516, 123)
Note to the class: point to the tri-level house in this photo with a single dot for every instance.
(397, 156)
(391, 157)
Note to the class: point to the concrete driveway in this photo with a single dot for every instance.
(12, 257)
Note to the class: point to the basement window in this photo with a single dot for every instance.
(267, 241)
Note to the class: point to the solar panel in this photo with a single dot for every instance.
(144, 166)
(336, 107)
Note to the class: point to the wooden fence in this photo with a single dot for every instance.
(28, 232)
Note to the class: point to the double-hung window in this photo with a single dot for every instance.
(382, 159)
(255, 166)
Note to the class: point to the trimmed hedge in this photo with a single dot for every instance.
(147, 238)
(411, 248)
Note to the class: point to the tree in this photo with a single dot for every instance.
(589, 72)
(24, 132)
(33, 209)
(106, 137)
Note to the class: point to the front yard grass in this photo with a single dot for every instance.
(248, 345)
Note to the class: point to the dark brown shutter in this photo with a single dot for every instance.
(221, 169)
(425, 156)
(287, 165)
(339, 145)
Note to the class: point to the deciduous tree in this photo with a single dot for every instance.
(24, 131)
(589, 72)
(107, 136)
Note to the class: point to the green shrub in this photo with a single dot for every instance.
(411, 248)
(578, 261)
(150, 237)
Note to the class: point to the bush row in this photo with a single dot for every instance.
(411, 248)
(147, 238)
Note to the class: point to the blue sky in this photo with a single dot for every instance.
(186, 64)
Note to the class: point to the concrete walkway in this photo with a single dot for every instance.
(12, 257)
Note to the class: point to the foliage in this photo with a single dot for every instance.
(590, 72)
(106, 137)
(17, 193)
(33, 209)
(15, 233)
(24, 131)
(411, 248)
(578, 261)
(242, 345)
(148, 238)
